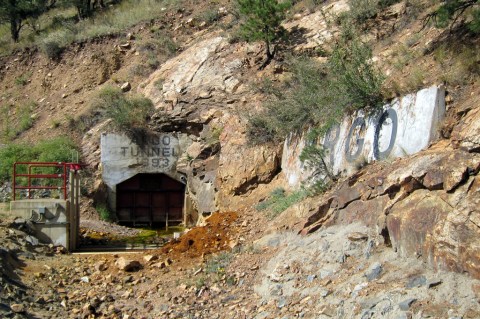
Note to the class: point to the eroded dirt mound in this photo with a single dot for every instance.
(215, 236)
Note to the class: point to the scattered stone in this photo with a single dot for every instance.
(32, 240)
(329, 311)
(149, 258)
(275, 277)
(85, 279)
(404, 315)
(101, 266)
(358, 288)
(159, 265)
(222, 11)
(282, 302)
(128, 265)
(325, 273)
(405, 305)
(357, 236)
(127, 279)
(130, 36)
(126, 87)
(61, 250)
(324, 292)
(434, 283)
(310, 278)
(17, 308)
(374, 271)
(342, 258)
(416, 282)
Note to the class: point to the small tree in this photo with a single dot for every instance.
(450, 11)
(263, 20)
(16, 12)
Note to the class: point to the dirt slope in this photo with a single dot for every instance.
(343, 270)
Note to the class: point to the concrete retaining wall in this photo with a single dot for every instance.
(51, 218)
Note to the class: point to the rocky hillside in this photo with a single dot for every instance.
(397, 239)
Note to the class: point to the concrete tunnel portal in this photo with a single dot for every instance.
(154, 199)
(143, 184)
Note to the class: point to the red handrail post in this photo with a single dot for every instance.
(14, 180)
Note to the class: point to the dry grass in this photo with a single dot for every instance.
(59, 25)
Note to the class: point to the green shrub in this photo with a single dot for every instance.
(450, 12)
(210, 16)
(52, 49)
(160, 44)
(354, 74)
(59, 149)
(61, 26)
(26, 120)
(23, 79)
(363, 10)
(104, 213)
(126, 112)
(262, 20)
(12, 127)
(311, 96)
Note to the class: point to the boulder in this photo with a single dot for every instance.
(128, 264)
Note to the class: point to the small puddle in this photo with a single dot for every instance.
(147, 238)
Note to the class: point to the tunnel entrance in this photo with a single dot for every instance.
(153, 199)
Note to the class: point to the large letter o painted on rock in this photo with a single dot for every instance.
(392, 115)
(359, 121)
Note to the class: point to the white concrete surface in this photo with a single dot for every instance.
(123, 158)
(405, 127)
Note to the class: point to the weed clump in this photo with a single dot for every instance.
(105, 213)
(127, 113)
(52, 49)
(279, 201)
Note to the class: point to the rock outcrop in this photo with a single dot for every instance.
(200, 93)
(426, 205)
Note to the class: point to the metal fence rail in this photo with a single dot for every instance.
(31, 176)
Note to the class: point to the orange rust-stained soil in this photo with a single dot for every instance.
(215, 236)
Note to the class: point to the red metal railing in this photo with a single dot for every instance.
(62, 175)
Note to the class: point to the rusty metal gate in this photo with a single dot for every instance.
(151, 199)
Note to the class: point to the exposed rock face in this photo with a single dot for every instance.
(425, 206)
(314, 26)
(198, 93)
(467, 134)
(198, 73)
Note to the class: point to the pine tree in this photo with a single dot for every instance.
(16, 12)
(262, 21)
(451, 10)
